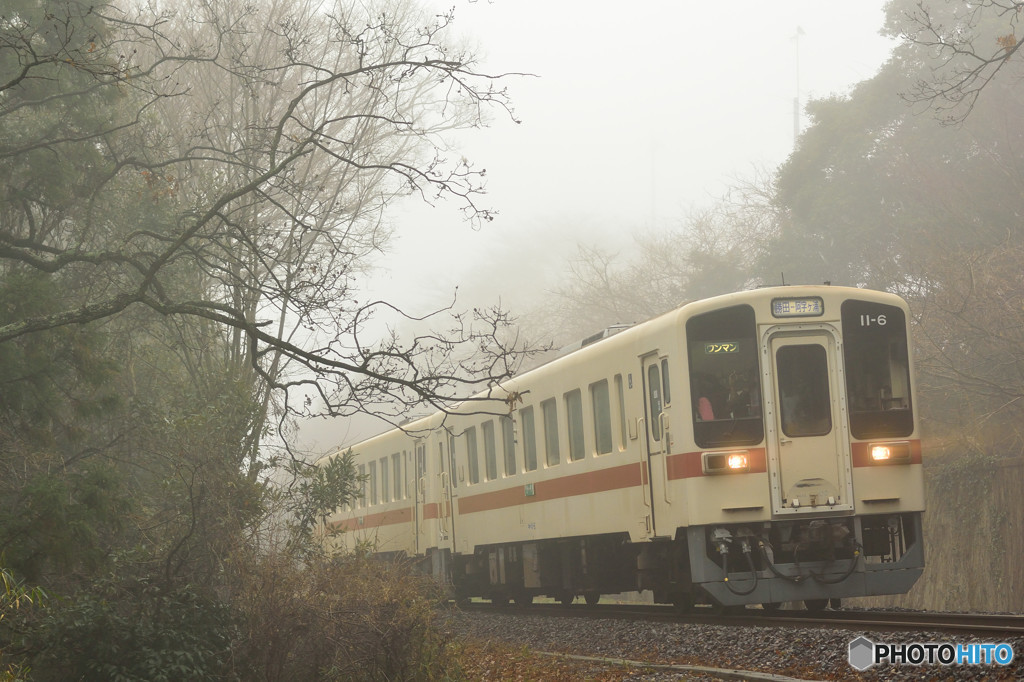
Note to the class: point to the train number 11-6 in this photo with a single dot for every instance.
(867, 320)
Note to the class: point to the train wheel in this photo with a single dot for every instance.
(815, 604)
(835, 603)
(683, 602)
(592, 598)
(524, 600)
(566, 599)
(501, 601)
(771, 606)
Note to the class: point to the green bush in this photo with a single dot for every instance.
(134, 631)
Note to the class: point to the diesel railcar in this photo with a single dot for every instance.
(757, 447)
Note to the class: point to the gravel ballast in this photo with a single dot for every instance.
(801, 653)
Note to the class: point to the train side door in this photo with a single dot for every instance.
(809, 454)
(446, 508)
(657, 398)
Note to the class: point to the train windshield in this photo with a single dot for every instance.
(877, 370)
(725, 384)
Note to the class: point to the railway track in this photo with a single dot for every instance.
(990, 626)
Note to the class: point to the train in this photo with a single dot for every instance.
(759, 447)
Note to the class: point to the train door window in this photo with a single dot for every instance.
(529, 439)
(490, 451)
(373, 483)
(725, 381)
(385, 481)
(472, 461)
(805, 405)
(654, 394)
(877, 370)
(396, 471)
(574, 417)
(451, 460)
(549, 412)
(620, 393)
(666, 393)
(508, 442)
(362, 485)
(601, 403)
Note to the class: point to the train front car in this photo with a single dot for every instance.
(800, 462)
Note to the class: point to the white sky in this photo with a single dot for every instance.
(640, 111)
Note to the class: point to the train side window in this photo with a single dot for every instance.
(442, 466)
(877, 370)
(725, 379)
(385, 481)
(373, 483)
(490, 451)
(362, 486)
(396, 471)
(574, 416)
(529, 439)
(601, 403)
(472, 463)
(451, 460)
(508, 442)
(410, 481)
(549, 412)
(621, 394)
(654, 393)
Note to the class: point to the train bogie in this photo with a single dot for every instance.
(758, 447)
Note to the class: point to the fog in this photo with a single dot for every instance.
(630, 119)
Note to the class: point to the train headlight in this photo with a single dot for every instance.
(734, 462)
(738, 460)
(890, 453)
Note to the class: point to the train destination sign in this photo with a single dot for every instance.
(721, 347)
(809, 306)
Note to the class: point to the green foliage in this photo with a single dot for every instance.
(16, 600)
(64, 520)
(122, 630)
(321, 489)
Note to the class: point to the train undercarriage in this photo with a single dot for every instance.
(810, 560)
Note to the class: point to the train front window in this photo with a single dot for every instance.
(725, 382)
(877, 370)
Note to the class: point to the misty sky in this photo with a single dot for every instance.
(635, 116)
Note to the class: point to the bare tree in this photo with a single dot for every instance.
(233, 163)
(714, 251)
(963, 46)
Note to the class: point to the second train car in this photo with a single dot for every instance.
(758, 447)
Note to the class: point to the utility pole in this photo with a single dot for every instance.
(796, 98)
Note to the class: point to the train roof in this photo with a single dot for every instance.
(624, 334)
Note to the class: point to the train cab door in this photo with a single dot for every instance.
(808, 453)
(657, 399)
